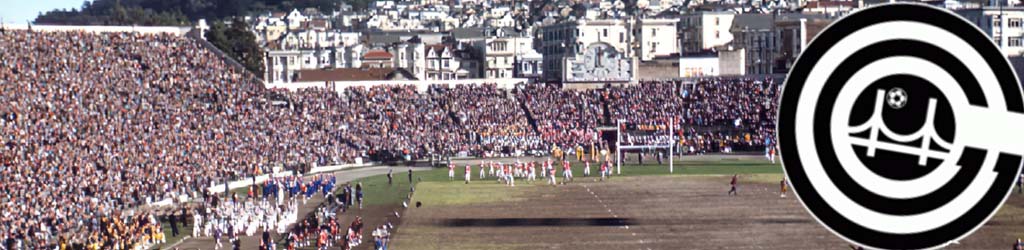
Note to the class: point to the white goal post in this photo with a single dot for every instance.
(619, 147)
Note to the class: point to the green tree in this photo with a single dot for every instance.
(238, 42)
(154, 12)
(235, 40)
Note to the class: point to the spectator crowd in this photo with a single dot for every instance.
(97, 123)
(564, 118)
(708, 115)
(94, 124)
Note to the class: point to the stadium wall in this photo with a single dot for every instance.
(175, 30)
(732, 63)
(217, 188)
(657, 70)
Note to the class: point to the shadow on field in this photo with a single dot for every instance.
(538, 222)
(605, 222)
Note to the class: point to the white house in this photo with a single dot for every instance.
(502, 21)
(587, 51)
(295, 19)
(657, 38)
(762, 36)
(704, 30)
(830, 7)
(411, 55)
(280, 65)
(1004, 25)
(500, 48)
(269, 27)
(529, 65)
(318, 39)
(429, 13)
(441, 63)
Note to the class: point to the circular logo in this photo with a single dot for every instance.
(889, 127)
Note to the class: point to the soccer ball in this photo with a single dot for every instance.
(896, 98)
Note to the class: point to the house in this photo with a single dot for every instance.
(469, 60)
(350, 56)
(377, 59)
(350, 20)
(269, 27)
(758, 35)
(280, 65)
(754, 33)
(529, 64)
(384, 39)
(1004, 25)
(658, 37)
(832, 8)
(309, 39)
(429, 12)
(499, 49)
(704, 30)
(505, 20)
(295, 19)
(587, 51)
(318, 24)
(469, 35)
(353, 74)
(794, 35)
(411, 55)
(953, 4)
(441, 63)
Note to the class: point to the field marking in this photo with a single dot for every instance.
(614, 215)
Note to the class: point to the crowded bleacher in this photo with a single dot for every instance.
(564, 118)
(94, 124)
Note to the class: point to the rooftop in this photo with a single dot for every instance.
(351, 74)
(377, 54)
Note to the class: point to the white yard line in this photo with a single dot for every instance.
(615, 215)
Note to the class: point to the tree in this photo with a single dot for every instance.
(238, 43)
(235, 39)
(157, 12)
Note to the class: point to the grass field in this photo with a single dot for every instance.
(628, 211)
(182, 232)
(377, 191)
(644, 208)
(435, 190)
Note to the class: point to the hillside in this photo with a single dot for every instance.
(173, 12)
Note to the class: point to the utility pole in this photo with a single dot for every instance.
(618, 146)
(671, 145)
(773, 41)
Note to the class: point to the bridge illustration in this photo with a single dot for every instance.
(876, 125)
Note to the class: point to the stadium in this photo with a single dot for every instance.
(152, 138)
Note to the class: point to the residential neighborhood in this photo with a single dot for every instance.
(570, 42)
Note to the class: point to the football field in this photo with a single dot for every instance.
(645, 208)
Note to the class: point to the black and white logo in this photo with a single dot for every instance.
(902, 127)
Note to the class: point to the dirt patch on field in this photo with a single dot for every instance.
(650, 212)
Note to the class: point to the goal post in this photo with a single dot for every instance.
(657, 145)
